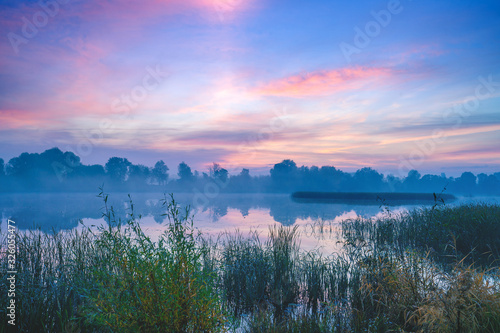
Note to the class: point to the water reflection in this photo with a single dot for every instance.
(319, 223)
(64, 211)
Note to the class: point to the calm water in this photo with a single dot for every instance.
(226, 212)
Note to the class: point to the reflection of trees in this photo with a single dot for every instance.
(49, 211)
(216, 212)
(281, 208)
(64, 211)
(287, 212)
(157, 209)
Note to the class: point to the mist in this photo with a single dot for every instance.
(58, 171)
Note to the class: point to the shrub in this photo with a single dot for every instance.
(146, 286)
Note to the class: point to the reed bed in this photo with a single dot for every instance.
(390, 276)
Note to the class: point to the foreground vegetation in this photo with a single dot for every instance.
(428, 270)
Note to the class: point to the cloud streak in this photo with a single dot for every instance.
(325, 82)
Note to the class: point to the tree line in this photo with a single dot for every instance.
(54, 170)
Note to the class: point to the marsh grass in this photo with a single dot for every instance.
(245, 273)
(414, 294)
(470, 231)
(146, 286)
(390, 276)
(46, 296)
(303, 322)
(428, 270)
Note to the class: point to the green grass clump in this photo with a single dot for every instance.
(470, 229)
(453, 232)
(245, 273)
(284, 253)
(146, 286)
(256, 275)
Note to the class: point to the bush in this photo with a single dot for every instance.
(146, 286)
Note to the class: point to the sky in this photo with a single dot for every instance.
(393, 85)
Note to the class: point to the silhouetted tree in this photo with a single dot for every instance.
(242, 182)
(411, 182)
(315, 177)
(368, 179)
(57, 170)
(63, 165)
(41, 170)
(22, 166)
(117, 168)
(184, 172)
(488, 185)
(245, 174)
(138, 174)
(284, 175)
(394, 184)
(466, 183)
(482, 182)
(433, 183)
(331, 178)
(2, 167)
(481, 177)
(67, 159)
(218, 173)
(91, 172)
(95, 170)
(160, 172)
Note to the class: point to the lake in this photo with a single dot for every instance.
(318, 222)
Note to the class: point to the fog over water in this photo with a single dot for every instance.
(226, 212)
(54, 190)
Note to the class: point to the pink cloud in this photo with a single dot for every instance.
(323, 83)
(18, 119)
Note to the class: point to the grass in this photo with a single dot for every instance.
(146, 286)
(391, 276)
(453, 232)
(411, 293)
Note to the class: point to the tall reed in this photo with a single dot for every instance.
(388, 277)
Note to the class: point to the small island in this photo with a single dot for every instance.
(369, 198)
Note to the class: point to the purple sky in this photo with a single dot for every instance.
(394, 85)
